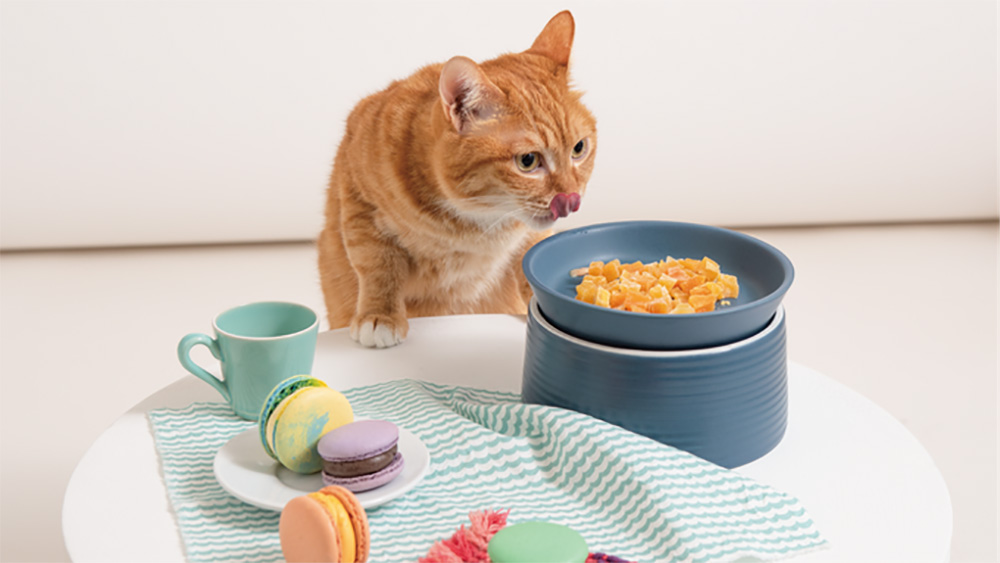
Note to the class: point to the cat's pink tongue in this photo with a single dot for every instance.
(564, 204)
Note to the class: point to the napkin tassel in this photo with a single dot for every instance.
(469, 544)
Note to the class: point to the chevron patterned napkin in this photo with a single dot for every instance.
(626, 494)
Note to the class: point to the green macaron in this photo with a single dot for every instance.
(537, 541)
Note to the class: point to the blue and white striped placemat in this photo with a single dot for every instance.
(626, 494)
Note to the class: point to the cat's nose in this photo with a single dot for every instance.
(564, 204)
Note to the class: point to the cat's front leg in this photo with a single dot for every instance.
(380, 321)
(376, 330)
(381, 266)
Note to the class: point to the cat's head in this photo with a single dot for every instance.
(517, 143)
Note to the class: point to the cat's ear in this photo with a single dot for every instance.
(467, 94)
(556, 40)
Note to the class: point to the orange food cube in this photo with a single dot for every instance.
(636, 298)
(702, 302)
(646, 280)
(633, 267)
(682, 309)
(659, 306)
(603, 297)
(691, 264)
(678, 273)
(612, 269)
(627, 286)
(617, 299)
(710, 268)
(702, 289)
(596, 268)
(730, 284)
(689, 284)
(713, 289)
(666, 281)
(587, 292)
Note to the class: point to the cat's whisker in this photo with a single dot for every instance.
(516, 200)
(509, 203)
(494, 224)
(494, 202)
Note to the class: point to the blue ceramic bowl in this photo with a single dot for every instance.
(764, 275)
(727, 404)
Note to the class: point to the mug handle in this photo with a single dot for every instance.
(184, 355)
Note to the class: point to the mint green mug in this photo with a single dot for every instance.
(258, 345)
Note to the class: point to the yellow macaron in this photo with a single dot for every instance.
(299, 413)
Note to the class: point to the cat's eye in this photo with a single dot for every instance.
(580, 148)
(528, 162)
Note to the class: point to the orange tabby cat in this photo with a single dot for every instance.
(444, 180)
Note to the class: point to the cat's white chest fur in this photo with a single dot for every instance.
(470, 268)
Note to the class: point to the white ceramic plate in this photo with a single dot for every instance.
(245, 471)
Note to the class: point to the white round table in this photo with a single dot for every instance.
(871, 488)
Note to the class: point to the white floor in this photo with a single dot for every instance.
(906, 315)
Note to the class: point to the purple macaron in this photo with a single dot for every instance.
(361, 455)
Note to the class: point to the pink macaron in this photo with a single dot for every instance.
(362, 455)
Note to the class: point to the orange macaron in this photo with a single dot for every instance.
(329, 525)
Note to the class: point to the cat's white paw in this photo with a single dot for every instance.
(378, 331)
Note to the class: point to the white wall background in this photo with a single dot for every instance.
(164, 122)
